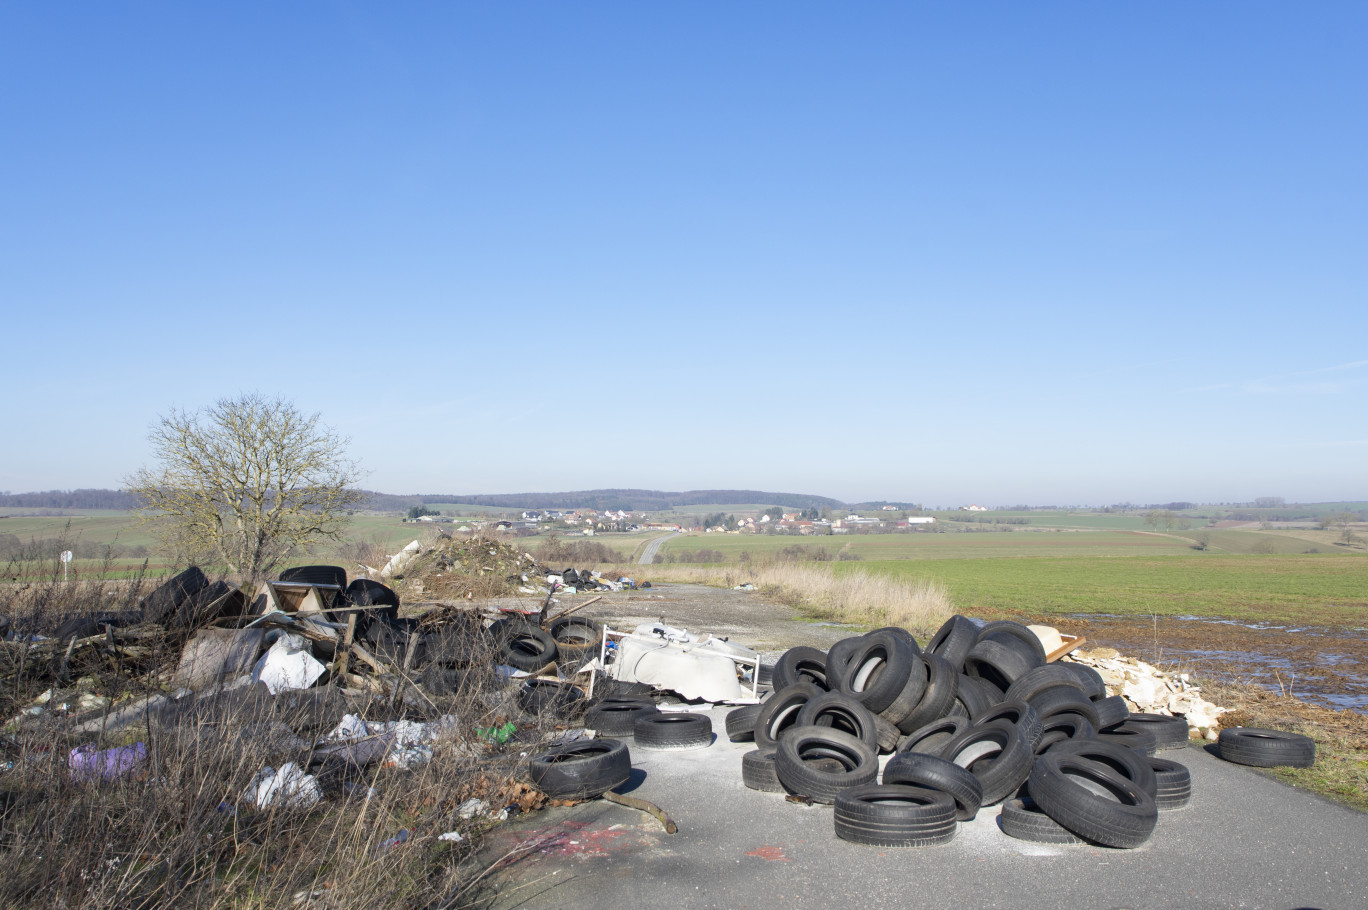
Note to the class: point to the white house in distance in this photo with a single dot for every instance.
(973, 508)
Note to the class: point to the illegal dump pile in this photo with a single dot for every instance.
(472, 568)
(981, 716)
(301, 744)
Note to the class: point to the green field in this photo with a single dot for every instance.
(1323, 589)
(961, 544)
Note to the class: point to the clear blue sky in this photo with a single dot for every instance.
(993, 252)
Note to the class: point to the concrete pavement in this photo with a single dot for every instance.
(1245, 841)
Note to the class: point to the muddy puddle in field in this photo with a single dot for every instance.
(1327, 667)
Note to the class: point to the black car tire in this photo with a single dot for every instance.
(757, 771)
(616, 718)
(1066, 788)
(1261, 748)
(936, 773)
(895, 816)
(581, 770)
(661, 731)
(840, 712)
(1022, 819)
(953, 640)
(779, 712)
(996, 754)
(803, 767)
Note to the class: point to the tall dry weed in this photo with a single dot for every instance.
(818, 589)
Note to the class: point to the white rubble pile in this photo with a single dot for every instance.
(1149, 690)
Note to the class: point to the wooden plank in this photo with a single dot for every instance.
(1065, 648)
(567, 612)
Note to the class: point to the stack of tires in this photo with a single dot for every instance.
(976, 718)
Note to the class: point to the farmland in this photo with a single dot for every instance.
(1326, 590)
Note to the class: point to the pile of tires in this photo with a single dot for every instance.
(976, 718)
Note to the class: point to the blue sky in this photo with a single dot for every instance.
(993, 252)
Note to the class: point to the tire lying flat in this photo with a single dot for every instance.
(1261, 748)
(661, 731)
(895, 815)
(581, 770)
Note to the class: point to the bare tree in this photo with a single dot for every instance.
(245, 483)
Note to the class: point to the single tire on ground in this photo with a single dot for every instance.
(673, 731)
(936, 773)
(581, 770)
(1262, 748)
(818, 762)
(895, 816)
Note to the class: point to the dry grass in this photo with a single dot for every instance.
(920, 606)
(177, 830)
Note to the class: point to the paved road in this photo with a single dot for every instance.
(648, 555)
(1245, 841)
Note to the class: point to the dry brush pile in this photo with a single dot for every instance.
(122, 786)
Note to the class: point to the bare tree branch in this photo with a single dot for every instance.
(245, 483)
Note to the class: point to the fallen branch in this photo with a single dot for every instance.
(641, 805)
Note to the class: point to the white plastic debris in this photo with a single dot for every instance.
(453, 836)
(289, 786)
(400, 561)
(285, 666)
(470, 808)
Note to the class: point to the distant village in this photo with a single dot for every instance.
(773, 521)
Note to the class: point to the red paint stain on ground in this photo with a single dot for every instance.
(773, 854)
(578, 839)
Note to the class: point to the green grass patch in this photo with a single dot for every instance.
(1325, 590)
